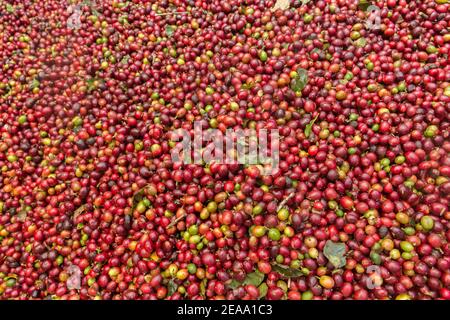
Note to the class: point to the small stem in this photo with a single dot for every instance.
(79, 211)
(174, 222)
(173, 12)
(282, 203)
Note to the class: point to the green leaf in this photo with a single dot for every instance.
(305, 2)
(287, 271)
(364, 4)
(300, 81)
(309, 126)
(263, 290)
(172, 287)
(335, 253)
(170, 30)
(254, 278)
(93, 8)
(9, 8)
(234, 284)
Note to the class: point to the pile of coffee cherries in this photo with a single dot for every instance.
(93, 206)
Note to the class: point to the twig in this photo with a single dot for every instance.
(173, 12)
(174, 222)
(79, 211)
(139, 191)
(282, 203)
